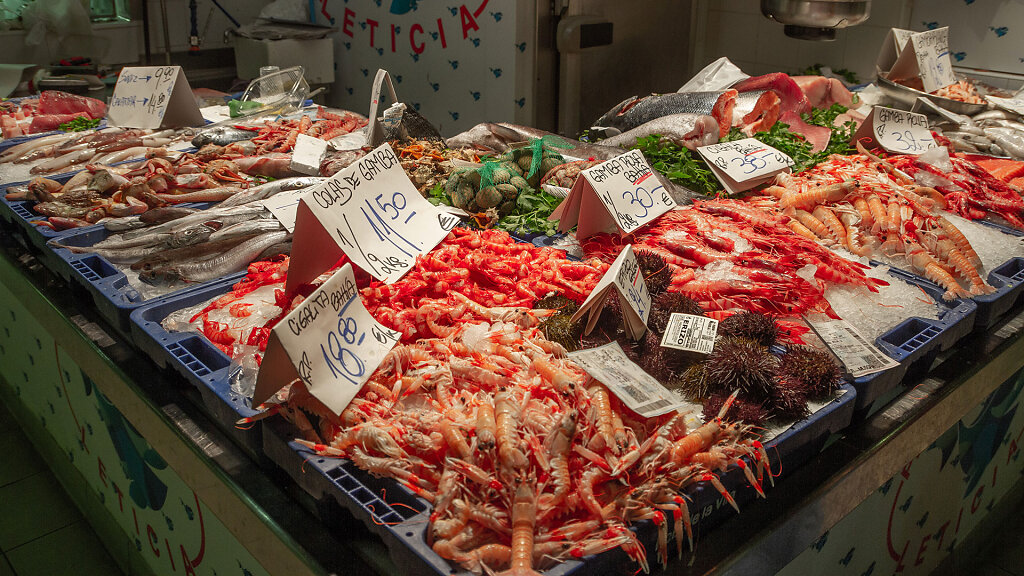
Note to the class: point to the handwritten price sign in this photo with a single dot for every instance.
(153, 97)
(933, 62)
(896, 131)
(333, 343)
(743, 164)
(375, 215)
(623, 276)
(629, 190)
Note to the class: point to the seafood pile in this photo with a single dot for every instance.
(861, 204)
(995, 132)
(427, 163)
(280, 135)
(961, 91)
(46, 113)
(116, 191)
(72, 151)
(727, 254)
(1009, 171)
(967, 189)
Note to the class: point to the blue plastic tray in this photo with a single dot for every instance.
(403, 527)
(915, 342)
(197, 360)
(1007, 279)
(109, 288)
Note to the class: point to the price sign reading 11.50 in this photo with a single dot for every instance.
(376, 216)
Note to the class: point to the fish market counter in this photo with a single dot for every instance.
(901, 490)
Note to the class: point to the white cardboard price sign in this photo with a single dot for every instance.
(744, 164)
(372, 213)
(637, 389)
(625, 277)
(307, 154)
(284, 205)
(153, 97)
(897, 131)
(857, 354)
(329, 341)
(622, 193)
(690, 333)
(926, 55)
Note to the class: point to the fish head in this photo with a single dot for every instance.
(160, 276)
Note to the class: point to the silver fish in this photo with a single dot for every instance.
(689, 130)
(119, 242)
(261, 226)
(635, 111)
(498, 136)
(221, 136)
(267, 190)
(234, 260)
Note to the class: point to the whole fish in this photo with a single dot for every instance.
(261, 226)
(221, 136)
(165, 214)
(123, 223)
(689, 130)
(234, 260)
(190, 236)
(497, 137)
(115, 255)
(267, 190)
(194, 218)
(635, 111)
(118, 242)
(26, 147)
(187, 253)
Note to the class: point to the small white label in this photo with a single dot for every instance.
(629, 190)
(151, 97)
(1015, 104)
(744, 164)
(307, 154)
(284, 205)
(933, 62)
(376, 216)
(216, 113)
(690, 333)
(333, 342)
(901, 132)
(637, 389)
(625, 276)
(857, 354)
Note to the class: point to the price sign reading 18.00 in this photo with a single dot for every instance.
(333, 342)
(377, 217)
(630, 191)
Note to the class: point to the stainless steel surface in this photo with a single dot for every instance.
(816, 19)
(907, 96)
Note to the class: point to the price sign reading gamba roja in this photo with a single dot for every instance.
(331, 341)
(376, 216)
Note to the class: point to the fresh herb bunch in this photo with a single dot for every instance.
(80, 123)
(815, 70)
(799, 149)
(531, 214)
(680, 165)
(437, 196)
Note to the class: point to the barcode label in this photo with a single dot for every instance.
(859, 356)
(691, 333)
(637, 389)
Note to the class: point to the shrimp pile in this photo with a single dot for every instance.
(280, 135)
(862, 204)
(526, 460)
(728, 255)
(968, 189)
(961, 91)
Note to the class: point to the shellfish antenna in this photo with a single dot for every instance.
(728, 404)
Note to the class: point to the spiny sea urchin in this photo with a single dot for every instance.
(739, 363)
(742, 410)
(788, 400)
(558, 327)
(657, 274)
(811, 369)
(663, 306)
(760, 328)
(693, 382)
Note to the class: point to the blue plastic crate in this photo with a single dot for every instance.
(403, 527)
(915, 342)
(114, 297)
(197, 360)
(1007, 279)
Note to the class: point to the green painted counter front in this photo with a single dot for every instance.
(168, 525)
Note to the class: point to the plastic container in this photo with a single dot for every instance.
(1007, 279)
(403, 527)
(915, 342)
(115, 298)
(197, 360)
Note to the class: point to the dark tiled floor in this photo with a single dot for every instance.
(39, 518)
(1004, 556)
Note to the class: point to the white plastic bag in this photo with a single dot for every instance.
(56, 19)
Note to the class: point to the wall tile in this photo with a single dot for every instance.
(731, 34)
(862, 47)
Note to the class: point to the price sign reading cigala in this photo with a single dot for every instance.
(332, 341)
(153, 97)
(629, 190)
(376, 216)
